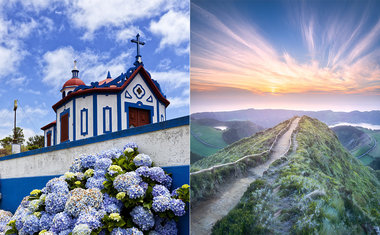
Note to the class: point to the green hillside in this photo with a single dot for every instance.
(361, 142)
(319, 189)
(257, 143)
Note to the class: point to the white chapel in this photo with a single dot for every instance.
(130, 100)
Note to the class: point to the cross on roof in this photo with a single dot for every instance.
(138, 43)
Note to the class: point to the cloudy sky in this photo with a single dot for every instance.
(305, 55)
(39, 40)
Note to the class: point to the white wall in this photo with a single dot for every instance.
(168, 147)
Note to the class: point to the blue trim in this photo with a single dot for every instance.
(139, 96)
(104, 119)
(54, 134)
(150, 99)
(138, 105)
(50, 137)
(118, 112)
(162, 118)
(182, 121)
(74, 118)
(65, 111)
(83, 111)
(95, 114)
(127, 95)
(158, 110)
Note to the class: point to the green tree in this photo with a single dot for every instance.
(6, 141)
(35, 142)
(18, 136)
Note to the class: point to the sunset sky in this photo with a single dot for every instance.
(304, 55)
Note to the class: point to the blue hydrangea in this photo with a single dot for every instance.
(165, 226)
(142, 217)
(160, 190)
(55, 202)
(158, 174)
(102, 164)
(131, 145)
(161, 203)
(34, 204)
(111, 204)
(5, 217)
(123, 181)
(177, 206)
(167, 182)
(135, 191)
(65, 232)
(76, 166)
(61, 222)
(99, 173)
(95, 183)
(88, 161)
(143, 171)
(144, 185)
(31, 224)
(133, 231)
(111, 154)
(175, 193)
(46, 220)
(90, 217)
(20, 214)
(81, 229)
(142, 160)
(57, 185)
(81, 199)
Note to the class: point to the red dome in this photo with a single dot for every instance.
(73, 82)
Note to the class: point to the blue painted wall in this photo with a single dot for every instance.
(15, 189)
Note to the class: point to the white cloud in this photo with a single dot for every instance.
(125, 34)
(57, 66)
(174, 28)
(172, 78)
(93, 15)
(176, 102)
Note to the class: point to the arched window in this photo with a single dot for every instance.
(63, 94)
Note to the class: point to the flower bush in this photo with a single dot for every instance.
(114, 192)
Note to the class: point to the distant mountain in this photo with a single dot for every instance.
(351, 137)
(318, 189)
(271, 117)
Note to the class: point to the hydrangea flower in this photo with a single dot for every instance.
(115, 216)
(120, 196)
(111, 154)
(88, 161)
(102, 164)
(5, 217)
(144, 185)
(143, 171)
(91, 218)
(160, 190)
(81, 229)
(34, 204)
(142, 160)
(111, 204)
(46, 220)
(131, 145)
(165, 226)
(61, 222)
(177, 206)
(81, 199)
(79, 175)
(69, 175)
(57, 185)
(95, 183)
(122, 182)
(175, 193)
(161, 203)
(114, 169)
(55, 202)
(76, 166)
(135, 191)
(133, 231)
(99, 173)
(142, 217)
(31, 224)
(89, 173)
(118, 231)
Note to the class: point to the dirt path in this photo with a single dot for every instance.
(207, 213)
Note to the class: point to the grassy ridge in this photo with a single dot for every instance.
(206, 184)
(257, 143)
(320, 189)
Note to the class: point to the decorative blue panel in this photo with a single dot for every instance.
(139, 91)
(107, 114)
(150, 99)
(84, 122)
(127, 95)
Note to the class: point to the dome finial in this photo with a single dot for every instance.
(75, 70)
(109, 75)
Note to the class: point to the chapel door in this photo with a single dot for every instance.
(65, 127)
(138, 117)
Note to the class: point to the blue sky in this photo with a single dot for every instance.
(305, 55)
(39, 40)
